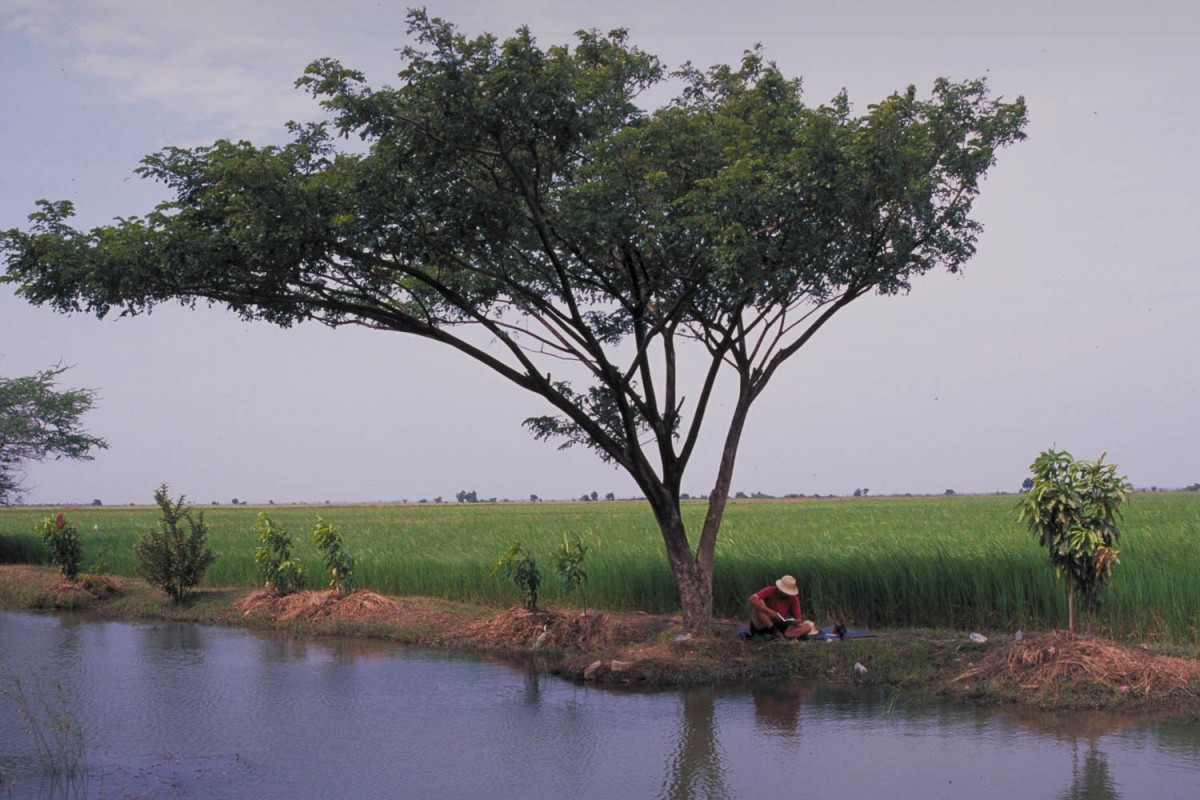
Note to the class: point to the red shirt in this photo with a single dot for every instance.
(786, 604)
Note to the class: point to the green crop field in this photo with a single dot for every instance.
(962, 562)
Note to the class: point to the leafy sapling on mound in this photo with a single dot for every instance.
(170, 558)
(568, 563)
(62, 540)
(1073, 508)
(519, 565)
(328, 539)
(273, 560)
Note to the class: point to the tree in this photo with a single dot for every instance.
(520, 566)
(1073, 508)
(37, 422)
(568, 563)
(515, 204)
(328, 539)
(273, 560)
(170, 558)
(62, 540)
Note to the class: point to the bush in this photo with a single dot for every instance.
(328, 540)
(273, 559)
(568, 563)
(169, 558)
(63, 541)
(1073, 508)
(519, 565)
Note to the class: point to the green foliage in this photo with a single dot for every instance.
(1073, 508)
(518, 565)
(170, 558)
(568, 563)
(881, 562)
(273, 558)
(62, 540)
(328, 539)
(501, 181)
(39, 422)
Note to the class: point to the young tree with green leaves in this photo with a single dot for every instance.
(515, 204)
(170, 557)
(568, 563)
(273, 560)
(62, 540)
(520, 566)
(39, 421)
(328, 540)
(1073, 507)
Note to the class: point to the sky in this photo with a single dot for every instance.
(1073, 327)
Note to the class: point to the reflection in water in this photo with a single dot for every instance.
(189, 711)
(1091, 780)
(777, 708)
(696, 769)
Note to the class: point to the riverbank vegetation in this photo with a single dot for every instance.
(1051, 670)
(961, 563)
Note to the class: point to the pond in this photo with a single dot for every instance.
(183, 710)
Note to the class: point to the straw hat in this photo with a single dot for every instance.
(787, 585)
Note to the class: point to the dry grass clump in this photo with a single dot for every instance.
(1060, 662)
(360, 606)
(520, 629)
(78, 593)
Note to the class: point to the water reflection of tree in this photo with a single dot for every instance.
(1092, 782)
(1089, 780)
(697, 769)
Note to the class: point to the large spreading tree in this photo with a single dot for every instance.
(515, 203)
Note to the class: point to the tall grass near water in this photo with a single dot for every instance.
(961, 562)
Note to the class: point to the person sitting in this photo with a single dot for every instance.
(775, 610)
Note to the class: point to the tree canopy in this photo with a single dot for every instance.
(516, 204)
(38, 421)
(1073, 507)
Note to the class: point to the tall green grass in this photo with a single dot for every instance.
(958, 562)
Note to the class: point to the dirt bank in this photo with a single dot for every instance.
(1047, 670)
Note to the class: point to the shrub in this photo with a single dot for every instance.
(519, 565)
(273, 559)
(1073, 508)
(169, 558)
(568, 563)
(62, 539)
(328, 540)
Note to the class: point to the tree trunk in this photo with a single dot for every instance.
(695, 597)
(1070, 605)
(693, 578)
(694, 572)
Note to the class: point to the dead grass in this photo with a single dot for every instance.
(357, 607)
(1060, 665)
(520, 629)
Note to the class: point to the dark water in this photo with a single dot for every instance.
(199, 712)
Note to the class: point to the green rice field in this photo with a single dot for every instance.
(959, 562)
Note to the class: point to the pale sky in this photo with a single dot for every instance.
(1074, 326)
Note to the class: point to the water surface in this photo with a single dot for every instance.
(180, 710)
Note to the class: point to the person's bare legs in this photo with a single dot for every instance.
(761, 620)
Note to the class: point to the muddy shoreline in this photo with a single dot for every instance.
(1048, 670)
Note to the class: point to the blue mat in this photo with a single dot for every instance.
(824, 634)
